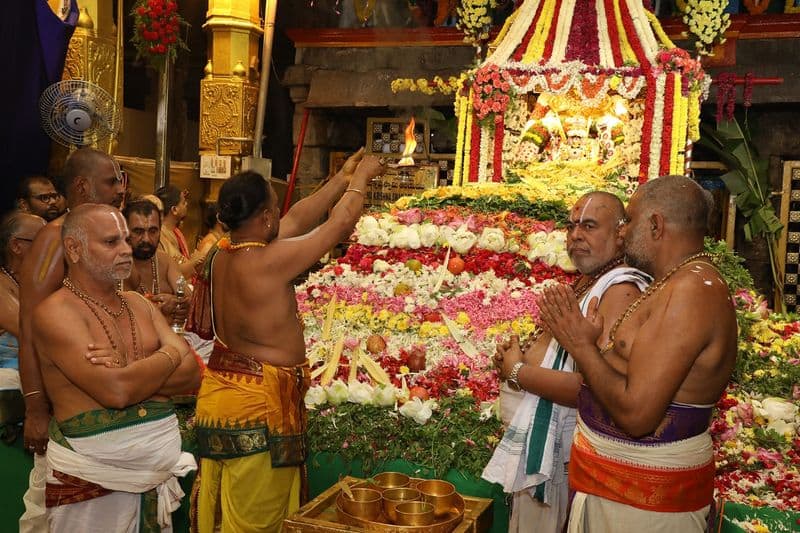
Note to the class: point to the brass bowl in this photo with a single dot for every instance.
(394, 497)
(391, 480)
(415, 514)
(366, 503)
(440, 494)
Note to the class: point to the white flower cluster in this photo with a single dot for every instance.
(387, 231)
(356, 392)
(781, 415)
(550, 248)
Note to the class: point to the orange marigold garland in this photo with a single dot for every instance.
(157, 30)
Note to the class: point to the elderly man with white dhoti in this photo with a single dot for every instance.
(541, 385)
(109, 363)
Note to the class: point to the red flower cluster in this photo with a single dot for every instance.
(679, 60)
(505, 265)
(491, 92)
(157, 28)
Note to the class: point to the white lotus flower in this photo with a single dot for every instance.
(373, 237)
(565, 263)
(337, 392)
(407, 237)
(428, 234)
(418, 410)
(462, 240)
(492, 239)
(779, 409)
(315, 396)
(384, 396)
(360, 393)
(367, 223)
(781, 427)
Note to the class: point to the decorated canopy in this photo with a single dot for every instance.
(575, 87)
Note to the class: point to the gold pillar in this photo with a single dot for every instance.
(92, 52)
(229, 91)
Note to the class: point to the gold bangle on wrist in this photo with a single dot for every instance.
(169, 356)
(353, 189)
(31, 393)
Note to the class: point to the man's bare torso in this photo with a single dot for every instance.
(68, 400)
(700, 293)
(255, 312)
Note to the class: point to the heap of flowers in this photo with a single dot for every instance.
(400, 330)
(156, 30)
(755, 428)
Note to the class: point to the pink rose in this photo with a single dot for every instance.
(745, 412)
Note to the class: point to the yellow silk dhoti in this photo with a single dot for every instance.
(251, 424)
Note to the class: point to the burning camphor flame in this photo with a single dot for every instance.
(411, 145)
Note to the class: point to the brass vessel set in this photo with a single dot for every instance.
(395, 502)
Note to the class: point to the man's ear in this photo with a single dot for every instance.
(81, 185)
(72, 249)
(23, 206)
(656, 225)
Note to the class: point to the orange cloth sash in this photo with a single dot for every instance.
(649, 488)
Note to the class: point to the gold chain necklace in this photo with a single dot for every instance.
(85, 297)
(155, 286)
(579, 292)
(651, 290)
(246, 244)
(10, 275)
(91, 304)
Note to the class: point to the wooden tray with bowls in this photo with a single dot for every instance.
(392, 502)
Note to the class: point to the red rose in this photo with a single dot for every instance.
(160, 48)
(141, 11)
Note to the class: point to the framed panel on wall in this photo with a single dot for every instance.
(789, 242)
(386, 137)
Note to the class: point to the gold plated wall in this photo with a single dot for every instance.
(229, 91)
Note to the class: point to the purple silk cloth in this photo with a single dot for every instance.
(34, 41)
(680, 421)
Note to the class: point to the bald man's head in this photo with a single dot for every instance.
(95, 241)
(18, 229)
(92, 176)
(680, 200)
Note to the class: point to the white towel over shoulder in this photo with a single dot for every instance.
(509, 463)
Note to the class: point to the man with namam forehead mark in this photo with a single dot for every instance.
(642, 458)
(541, 389)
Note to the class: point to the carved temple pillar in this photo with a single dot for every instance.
(92, 55)
(229, 91)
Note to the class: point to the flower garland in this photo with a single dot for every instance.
(156, 30)
(678, 60)
(430, 87)
(492, 91)
(726, 96)
(475, 20)
(658, 126)
(669, 108)
(707, 22)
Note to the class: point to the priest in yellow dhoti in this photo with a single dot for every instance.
(251, 433)
(251, 417)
